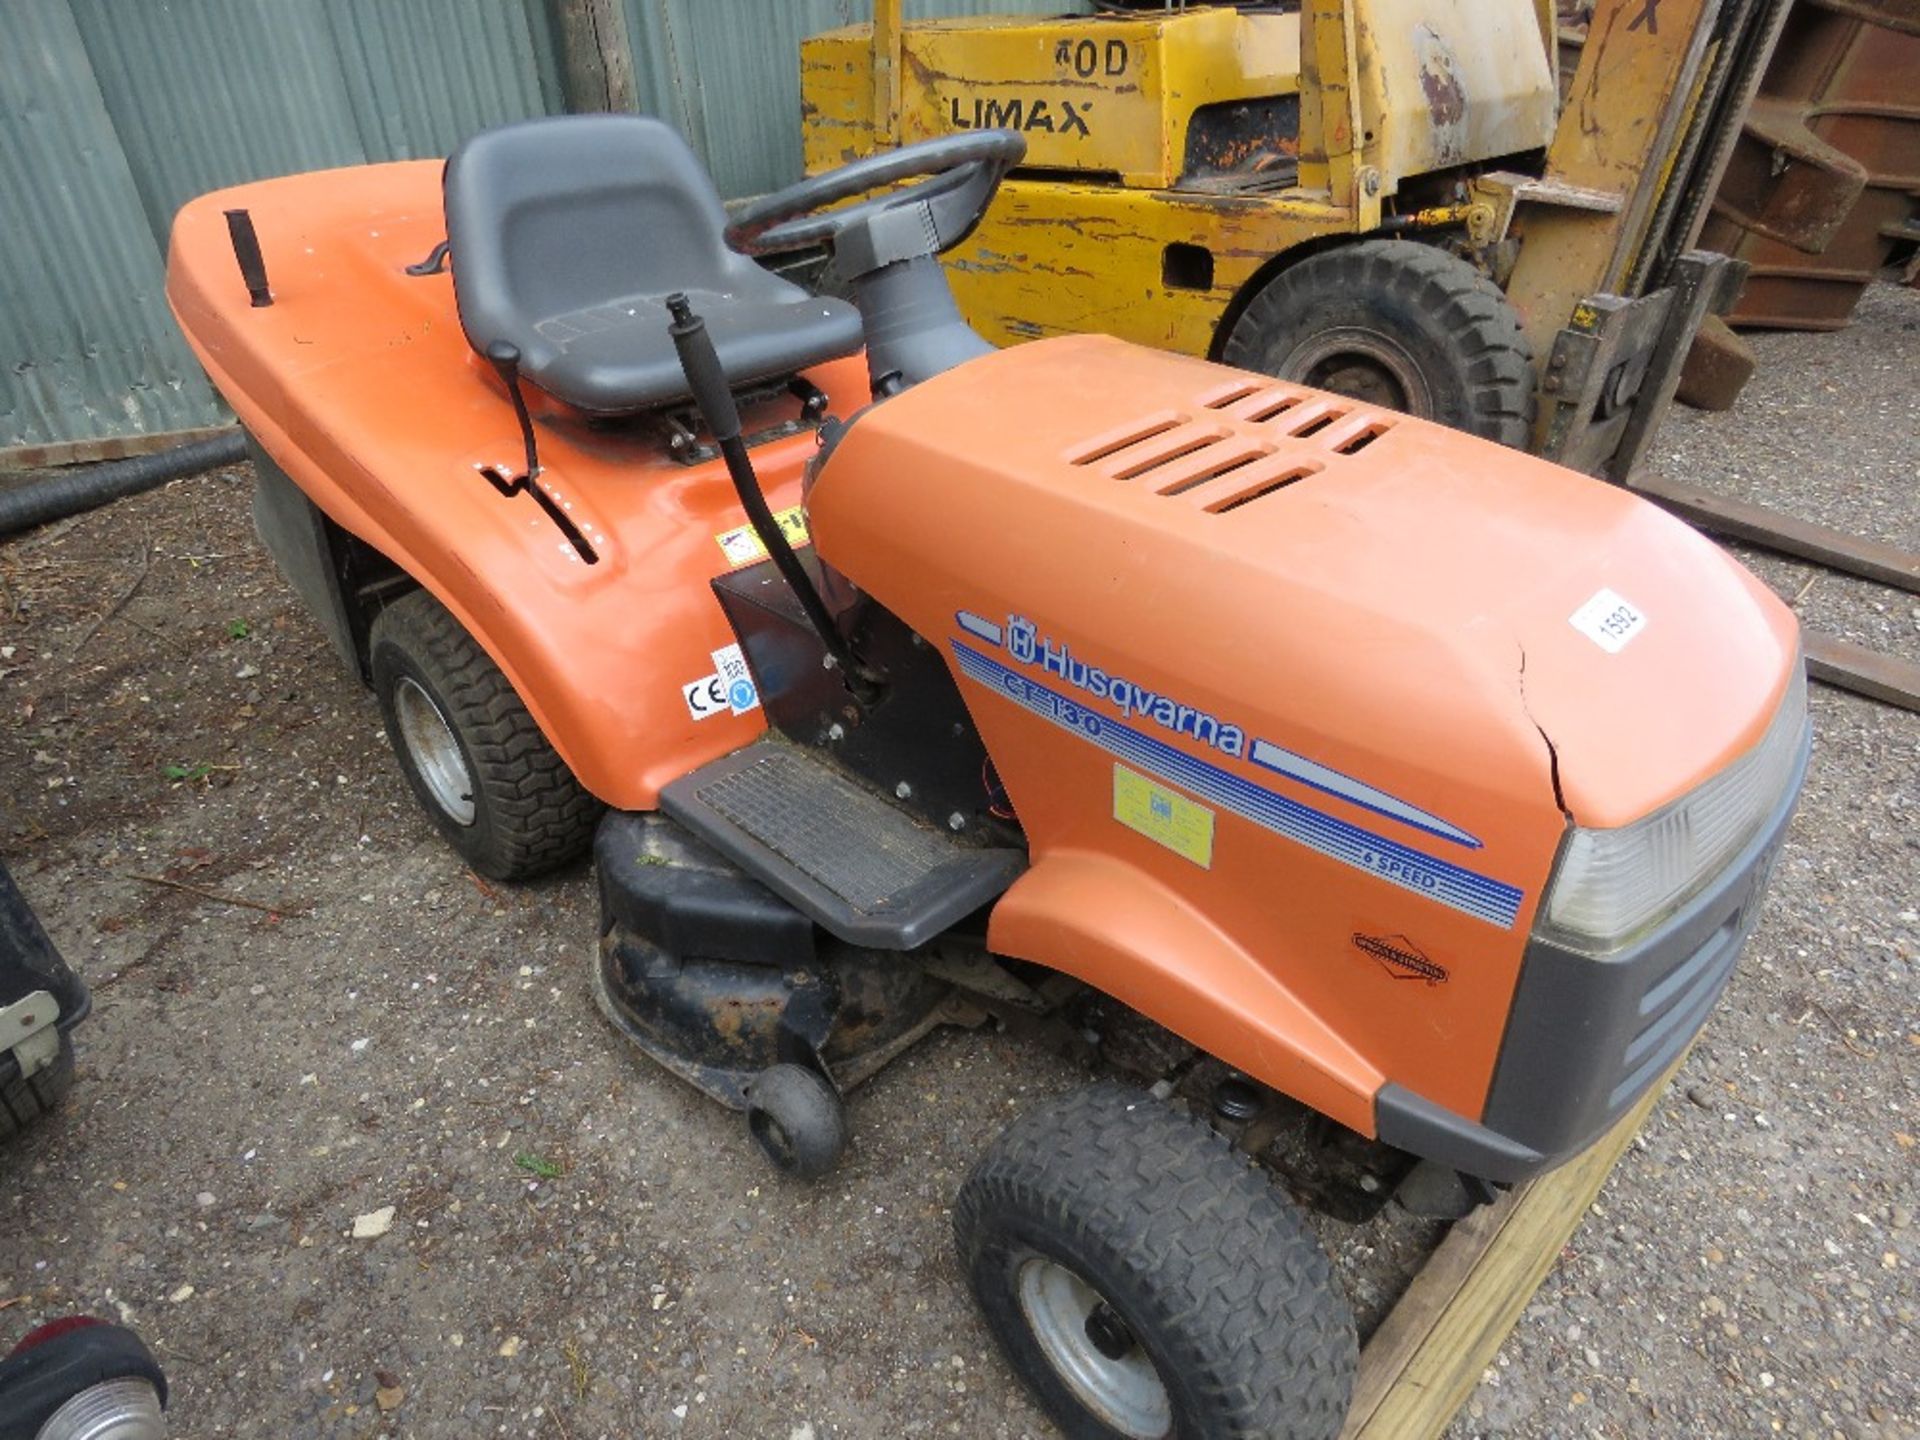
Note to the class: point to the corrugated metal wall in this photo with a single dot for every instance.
(113, 112)
(87, 344)
(205, 93)
(727, 72)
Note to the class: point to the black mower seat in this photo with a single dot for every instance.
(568, 234)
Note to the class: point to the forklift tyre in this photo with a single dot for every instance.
(1145, 1280)
(1399, 324)
(796, 1117)
(27, 1098)
(477, 761)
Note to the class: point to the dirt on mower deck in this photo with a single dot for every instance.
(353, 1149)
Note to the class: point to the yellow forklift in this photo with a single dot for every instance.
(1388, 198)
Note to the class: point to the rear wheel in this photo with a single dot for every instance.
(25, 1099)
(477, 761)
(1147, 1283)
(1397, 324)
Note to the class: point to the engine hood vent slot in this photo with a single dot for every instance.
(1240, 442)
(1176, 445)
(1258, 490)
(1359, 439)
(1112, 442)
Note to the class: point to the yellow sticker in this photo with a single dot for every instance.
(741, 546)
(1163, 816)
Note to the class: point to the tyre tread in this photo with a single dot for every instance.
(1168, 1198)
(27, 1099)
(542, 817)
(1475, 314)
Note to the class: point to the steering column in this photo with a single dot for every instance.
(884, 246)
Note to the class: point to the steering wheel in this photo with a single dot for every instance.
(961, 174)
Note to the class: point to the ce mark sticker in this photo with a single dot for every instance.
(729, 690)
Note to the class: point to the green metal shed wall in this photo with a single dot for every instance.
(114, 112)
(726, 73)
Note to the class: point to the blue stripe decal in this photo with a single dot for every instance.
(978, 625)
(1477, 895)
(1320, 777)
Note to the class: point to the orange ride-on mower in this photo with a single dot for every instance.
(1318, 763)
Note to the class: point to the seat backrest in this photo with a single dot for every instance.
(553, 216)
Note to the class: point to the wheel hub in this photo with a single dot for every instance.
(1363, 365)
(1109, 1333)
(1093, 1350)
(772, 1137)
(434, 750)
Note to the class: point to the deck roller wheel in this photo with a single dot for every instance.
(1148, 1283)
(1398, 324)
(477, 761)
(796, 1117)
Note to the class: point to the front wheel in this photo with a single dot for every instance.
(476, 760)
(1398, 324)
(1147, 1283)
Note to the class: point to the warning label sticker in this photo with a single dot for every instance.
(1164, 816)
(731, 666)
(729, 690)
(742, 547)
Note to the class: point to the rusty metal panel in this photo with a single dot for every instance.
(1114, 97)
(1849, 84)
(1785, 182)
(1447, 82)
(728, 75)
(87, 346)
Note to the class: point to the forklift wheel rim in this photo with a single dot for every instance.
(1393, 376)
(434, 750)
(1124, 1391)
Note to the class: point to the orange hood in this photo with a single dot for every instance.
(1399, 602)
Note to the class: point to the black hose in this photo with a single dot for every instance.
(87, 487)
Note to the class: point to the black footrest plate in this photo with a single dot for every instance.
(867, 872)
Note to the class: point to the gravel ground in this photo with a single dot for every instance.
(1750, 1266)
(580, 1246)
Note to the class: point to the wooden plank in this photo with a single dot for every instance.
(596, 60)
(616, 50)
(1773, 530)
(110, 447)
(1408, 1325)
(1847, 666)
(1428, 1354)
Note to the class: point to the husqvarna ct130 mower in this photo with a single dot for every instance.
(1296, 752)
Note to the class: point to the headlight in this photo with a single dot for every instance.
(1610, 885)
